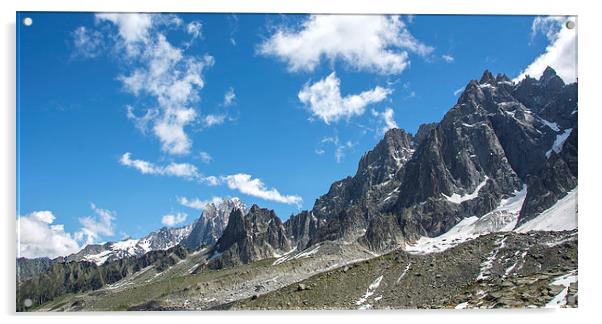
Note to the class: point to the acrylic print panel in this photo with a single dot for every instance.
(262, 161)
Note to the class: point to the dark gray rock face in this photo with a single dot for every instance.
(347, 209)
(488, 144)
(301, 227)
(550, 184)
(211, 224)
(498, 137)
(257, 235)
(28, 268)
(383, 234)
(376, 174)
(463, 156)
(424, 131)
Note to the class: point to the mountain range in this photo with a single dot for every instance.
(503, 159)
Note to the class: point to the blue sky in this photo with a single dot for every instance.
(121, 117)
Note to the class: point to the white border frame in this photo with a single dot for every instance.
(589, 129)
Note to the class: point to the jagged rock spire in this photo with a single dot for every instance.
(487, 77)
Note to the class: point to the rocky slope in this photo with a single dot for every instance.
(162, 239)
(78, 276)
(208, 228)
(445, 201)
(494, 271)
(498, 137)
(203, 232)
(351, 204)
(253, 236)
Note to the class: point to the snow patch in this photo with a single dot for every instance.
(488, 263)
(307, 254)
(559, 142)
(369, 292)
(562, 216)
(559, 301)
(457, 199)
(99, 258)
(285, 257)
(403, 273)
(501, 219)
(553, 126)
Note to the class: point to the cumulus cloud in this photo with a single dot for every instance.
(447, 58)
(160, 70)
(97, 226)
(386, 118)
(196, 203)
(561, 52)
(372, 43)
(173, 219)
(141, 122)
(195, 28)
(325, 102)
(229, 98)
(205, 157)
(182, 170)
(256, 188)
(87, 43)
(133, 27)
(214, 119)
(37, 236)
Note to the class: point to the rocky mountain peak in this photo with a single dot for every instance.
(487, 77)
(501, 77)
(548, 73)
(424, 131)
(212, 222)
(551, 80)
(256, 235)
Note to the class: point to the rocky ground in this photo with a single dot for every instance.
(191, 285)
(498, 270)
(507, 270)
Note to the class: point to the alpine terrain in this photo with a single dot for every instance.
(478, 210)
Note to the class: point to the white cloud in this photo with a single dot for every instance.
(195, 28)
(88, 43)
(97, 226)
(324, 99)
(205, 157)
(214, 119)
(340, 148)
(386, 118)
(196, 203)
(141, 122)
(229, 98)
(561, 52)
(256, 188)
(320, 151)
(133, 27)
(162, 71)
(369, 43)
(211, 180)
(173, 219)
(38, 237)
(447, 58)
(182, 170)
